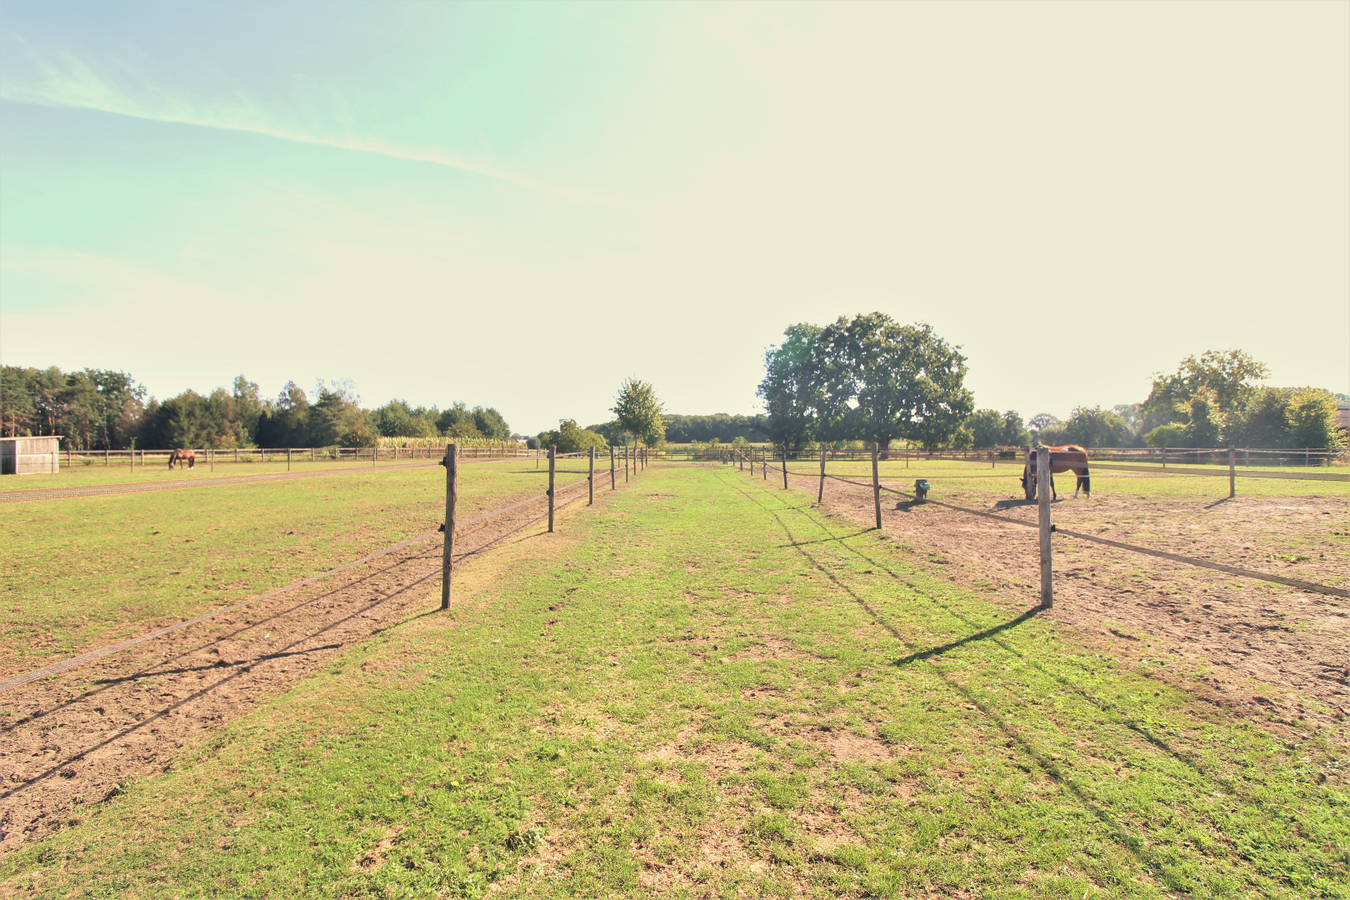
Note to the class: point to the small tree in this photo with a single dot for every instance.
(1014, 432)
(570, 438)
(1311, 415)
(638, 411)
(986, 428)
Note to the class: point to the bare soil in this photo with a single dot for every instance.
(1264, 650)
(72, 739)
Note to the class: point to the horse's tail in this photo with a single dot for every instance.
(1085, 480)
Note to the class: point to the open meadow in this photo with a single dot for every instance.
(707, 686)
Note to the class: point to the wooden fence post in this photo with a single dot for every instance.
(876, 481)
(1043, 503)
(211, 456)
(236, 454)
(764, 461)
(590, 479)
(785, 484)
(1232, 472)
(107, 457)
(613, 479)
(288, 459)
(552, 466)
(451, 463)
(820, 495)
(625, 463)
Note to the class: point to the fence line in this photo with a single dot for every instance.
(1047, 529)
(63, 665)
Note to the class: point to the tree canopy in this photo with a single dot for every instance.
(638, 412)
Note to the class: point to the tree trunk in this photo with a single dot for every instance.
(884, 445)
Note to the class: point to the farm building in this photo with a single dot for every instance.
(30, 455)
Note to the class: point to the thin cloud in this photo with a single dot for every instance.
(73, 85)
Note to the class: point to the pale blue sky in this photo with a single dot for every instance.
(520, 204)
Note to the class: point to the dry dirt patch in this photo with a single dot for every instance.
(1258, 648)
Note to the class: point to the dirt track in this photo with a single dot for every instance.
(1259, 648)
(72, 739)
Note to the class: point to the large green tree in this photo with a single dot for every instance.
(639, 412)
(791, 389)
(882, 381)
(1225, 380)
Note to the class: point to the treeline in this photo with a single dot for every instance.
(96, 409)
(1214, 400)
(869, 379)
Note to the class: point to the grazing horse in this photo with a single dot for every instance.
(1069, 458)
(182, 456)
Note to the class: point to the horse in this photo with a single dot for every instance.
(1069, 458)
(186, 456)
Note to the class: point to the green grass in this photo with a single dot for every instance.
(706, 688)
(80, 572)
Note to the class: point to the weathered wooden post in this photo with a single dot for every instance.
(625, 463)
(288, 459)
(451, 463)
(311, 454)
(1043, 503)
(613, 479)
(1232, 472)
(236, 454)
(876, 482)
(590, 479)
(785, 485)
(211, 457)
(820, 495)
(1164, 457)
(552, 469)
(764, 461)
(107, 457)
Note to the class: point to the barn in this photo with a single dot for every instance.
(30, 455)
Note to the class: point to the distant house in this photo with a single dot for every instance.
(30, 455)
(1343, 417)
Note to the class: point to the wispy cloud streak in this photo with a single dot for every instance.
(74, 85)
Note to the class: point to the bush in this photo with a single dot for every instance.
(1167, 436)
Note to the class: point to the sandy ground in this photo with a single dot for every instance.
(1261, 649)
(71, 739)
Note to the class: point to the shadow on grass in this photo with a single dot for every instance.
(1136, 845)
(970, 639)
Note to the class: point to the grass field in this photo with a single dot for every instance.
(82, 476)
(81, 572)
(707, 688)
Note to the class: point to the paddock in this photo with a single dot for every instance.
(1252, 643)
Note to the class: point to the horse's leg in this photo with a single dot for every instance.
(1053, 494)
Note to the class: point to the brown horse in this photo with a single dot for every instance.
(1069, 458)
(181, 456)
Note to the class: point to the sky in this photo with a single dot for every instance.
(518, 205)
